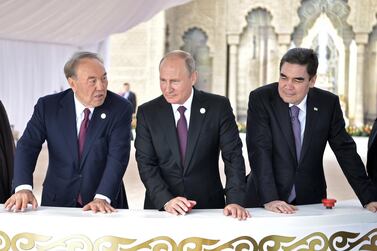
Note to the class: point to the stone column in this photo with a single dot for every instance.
(233, 41)
(346, 76)
(361, 40)
(284, 41)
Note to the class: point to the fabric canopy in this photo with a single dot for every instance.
(74, 22)
(37, 37)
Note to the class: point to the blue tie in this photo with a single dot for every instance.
(296, 127)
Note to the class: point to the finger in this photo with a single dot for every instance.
(182, 205)
(34, 203)
(86, 207)
(18, 204)
(233, 212)
(9, 203)
(179, 210)
(226, 211)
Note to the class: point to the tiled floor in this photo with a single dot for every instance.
(338, 186)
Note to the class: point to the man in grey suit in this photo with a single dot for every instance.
(179, 136)
(288, 126)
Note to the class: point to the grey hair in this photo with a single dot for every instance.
(71, 65)
(187, 57)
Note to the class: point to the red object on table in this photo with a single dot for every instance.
(328, 203)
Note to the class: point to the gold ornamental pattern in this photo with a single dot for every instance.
(340, 240)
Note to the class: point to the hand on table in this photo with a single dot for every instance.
(236, 211)
(179, 206)
(279, 206)
(19, 201)
(99, 205)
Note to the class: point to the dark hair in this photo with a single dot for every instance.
(302, 56)
(189, 60)
(70, 66)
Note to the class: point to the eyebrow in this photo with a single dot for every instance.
(297, 78)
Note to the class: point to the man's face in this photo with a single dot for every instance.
(175, 80)
(90, 82)
(294, 83)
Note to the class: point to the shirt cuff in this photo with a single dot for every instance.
(102, 197)
(23, 187)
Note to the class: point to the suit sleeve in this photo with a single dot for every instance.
(231, 152)
(118, 154)
(345, 151)
(259, 147)
(29, 146)
(147, 162)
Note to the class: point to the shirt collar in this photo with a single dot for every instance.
(302, 104)
(79, 107)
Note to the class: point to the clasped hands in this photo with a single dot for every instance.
(181, 206)
(19, 201)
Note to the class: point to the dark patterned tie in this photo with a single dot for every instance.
(81, 142)
(83, 130)
(296, 127)
(182, 132)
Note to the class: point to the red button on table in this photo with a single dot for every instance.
(328, 203)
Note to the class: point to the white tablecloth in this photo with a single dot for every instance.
(346, 227)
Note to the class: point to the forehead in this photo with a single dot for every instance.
(294, 70)
(90, 66)
(173, 64)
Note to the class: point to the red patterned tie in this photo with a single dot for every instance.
(182, 132)
(83, 129)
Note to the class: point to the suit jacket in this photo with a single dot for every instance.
(372, 154)
(6, 156)
(271, 147)
(212, 128)
(105, 155)
(132, 98)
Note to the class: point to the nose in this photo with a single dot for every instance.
(101, 84)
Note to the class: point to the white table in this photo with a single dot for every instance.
(346, 227)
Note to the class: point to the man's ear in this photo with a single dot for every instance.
(194, 78)
(312, 81)
(72, 83)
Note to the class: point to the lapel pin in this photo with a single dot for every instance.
(316, 109)
(103, 115)
(202, 110)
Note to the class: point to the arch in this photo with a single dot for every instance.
(195, 42)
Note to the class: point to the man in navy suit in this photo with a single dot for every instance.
(179, 136)
(89, 175)
(288, 126)
(372, 154)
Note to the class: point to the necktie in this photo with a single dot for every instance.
(296, 127)
(83, 130)
(182, 132)
(81, 141)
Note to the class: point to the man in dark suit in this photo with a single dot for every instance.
(6, 155)
(129, 95)
(288, 126)
(88, 145)
(179, 136)
(372, 154)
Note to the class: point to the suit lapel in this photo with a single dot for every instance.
(282, 114)
(312, 112)
(100, 118)
(67, 117)
(195, 125)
